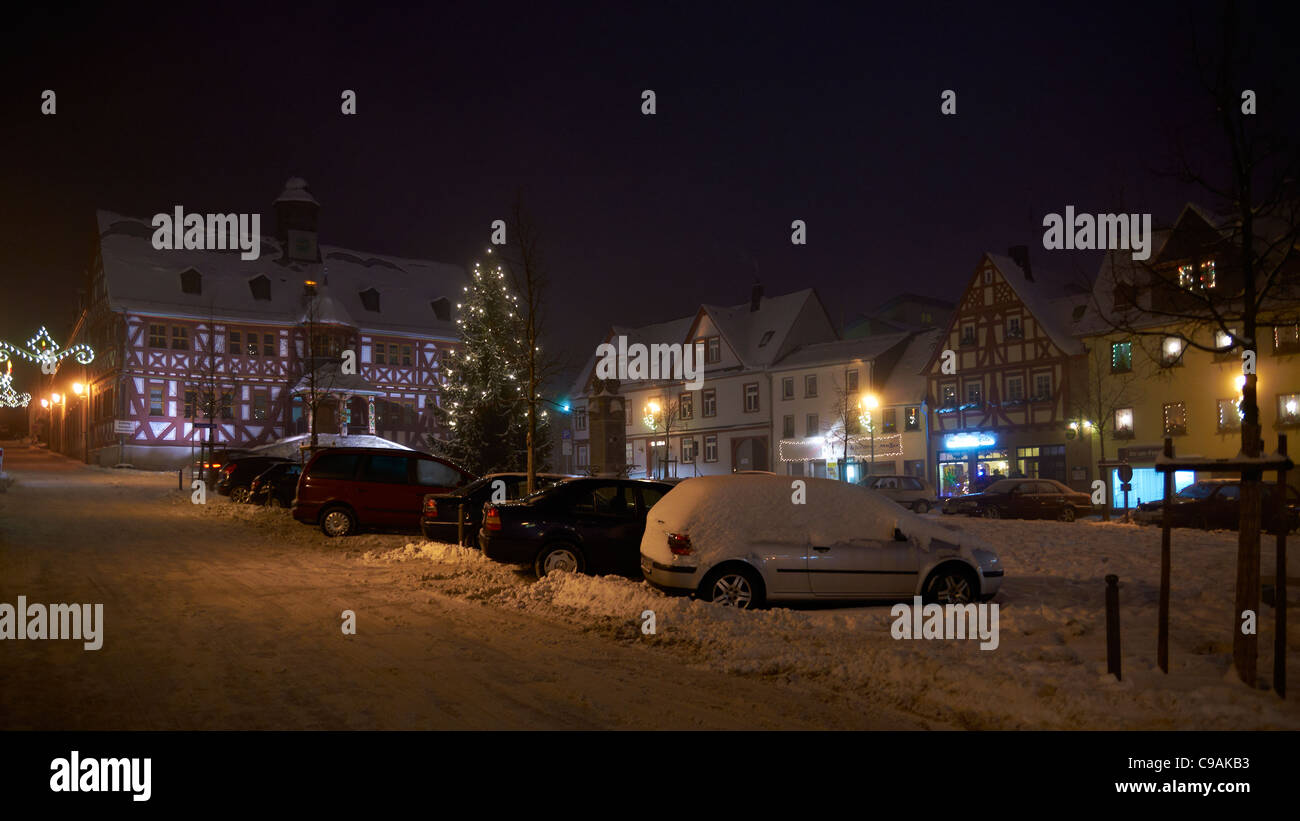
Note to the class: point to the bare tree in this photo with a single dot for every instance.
(662, 416)
(321, 365)
(850, 422)
(522, 258)
(1242, 280)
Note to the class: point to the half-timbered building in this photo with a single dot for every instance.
(197, 345)
(1000, 382)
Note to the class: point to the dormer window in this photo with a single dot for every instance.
(441, 308)
(191, 282)
(370, 299)
(260, 287)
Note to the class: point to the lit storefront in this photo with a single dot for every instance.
(823, 456)
(970, 460)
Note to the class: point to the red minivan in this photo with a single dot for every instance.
(344, 489)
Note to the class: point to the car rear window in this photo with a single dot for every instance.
(435, 474)
(335, 466)
(650, 496)
(608, 499)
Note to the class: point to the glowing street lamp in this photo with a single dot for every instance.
(78, 388)
(868, 403)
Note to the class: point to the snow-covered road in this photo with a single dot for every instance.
(227, 616)
(216, 623)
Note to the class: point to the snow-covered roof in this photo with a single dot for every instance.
(295, 190)
(841, 350)
(744, 329)
(1045, 299)
(330, 379)
(145, 280)
(907, 382)
(291, 447)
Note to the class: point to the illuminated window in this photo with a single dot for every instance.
(1121, 357)
(913, 415)
(1286, 339)
(1186, 277)
(974, 392)
(1288, 409)
(1208, 275)
(1229, 415)
(1171, 351)
(1175, 414)
(1225, 341)
(156, 401)
(1123, 423)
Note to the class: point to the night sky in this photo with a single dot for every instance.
(829, 114)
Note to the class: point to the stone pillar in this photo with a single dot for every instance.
(607, 426)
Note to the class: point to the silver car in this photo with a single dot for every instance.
(911, 492)
(746, 540)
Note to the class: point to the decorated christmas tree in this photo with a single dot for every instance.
(484, 406)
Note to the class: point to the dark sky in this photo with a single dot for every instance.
(826, 113)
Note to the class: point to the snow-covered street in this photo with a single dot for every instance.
(226, 616)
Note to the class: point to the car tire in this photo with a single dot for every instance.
(559, 556)
(734, 585)
(951, 584)
(1067, 514)
(337, 521)
(921, 506)
(992, 512)
(240, 495)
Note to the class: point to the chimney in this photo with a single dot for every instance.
(1020, 255)
(755, 296)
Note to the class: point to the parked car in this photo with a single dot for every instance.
(740, 541)
(276, 486)
(236, 476)
(582, 525)
(209, 465)
(1215, 504)
(1023, 499)
(344, 489)
(909, 491)
(438, 518)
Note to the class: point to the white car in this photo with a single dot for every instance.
(746, 540)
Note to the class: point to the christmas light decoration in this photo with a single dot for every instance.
(43, 349)
(9, 398)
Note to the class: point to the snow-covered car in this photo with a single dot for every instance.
(746, 540)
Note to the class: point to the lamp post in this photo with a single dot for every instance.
(83, 391)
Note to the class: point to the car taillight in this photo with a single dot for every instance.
(680, 544)
(431, 507)
(492, 519)
(228, 469)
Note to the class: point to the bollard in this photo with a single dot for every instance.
(460, 524)
(180, 478)
(1112, 626)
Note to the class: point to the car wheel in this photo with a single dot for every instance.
(1066, 514)
(734, 586)
(992, 512)
(338, 521)
(952, 584)
(559, 556)
(921, 506)
(240, 495)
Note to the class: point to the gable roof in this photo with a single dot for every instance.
(1045, 299)
(841, 350)
(908, 382)
(744, 329)
(143, 279)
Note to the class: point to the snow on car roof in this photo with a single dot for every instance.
(722, 510)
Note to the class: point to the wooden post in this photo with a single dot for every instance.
(1162, 630)
(460, 524)
(1112, 627)
(180, 478)
(1279, 582)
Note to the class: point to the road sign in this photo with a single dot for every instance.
(124, 426)
(1126, 473)
(1126, 487)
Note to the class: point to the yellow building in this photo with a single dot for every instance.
(1161, 364)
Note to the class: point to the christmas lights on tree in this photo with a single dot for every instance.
(484, 399)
